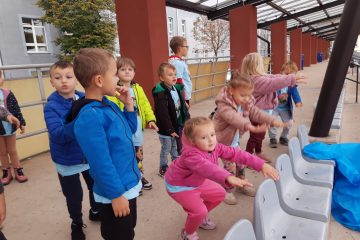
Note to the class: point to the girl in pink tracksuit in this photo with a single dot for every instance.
(265, 87)
(196, 181)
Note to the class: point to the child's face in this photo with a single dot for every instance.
(64, 81)
(241, 95)
(183, 50)
(126, 73)
(205, 138)
(110, 79)
(169, 77)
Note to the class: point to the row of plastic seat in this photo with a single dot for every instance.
(295, 207)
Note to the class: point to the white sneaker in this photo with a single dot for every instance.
(230, 199)
(185, 236)
(207, 224)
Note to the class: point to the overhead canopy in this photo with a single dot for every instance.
(320, 17)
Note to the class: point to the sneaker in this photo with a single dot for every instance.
(94, 215)
(264, 157)
(247, 190)
(77, 232)
(185, 236)
(230, 199)
(19, 175)
(273, 143)
(7, 176)
(207, 224)
(162, 171)
(284, 141)
(146, 185)
(140, 193)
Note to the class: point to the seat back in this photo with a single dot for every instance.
(241, 230)
(302, 134)
(295, 153)
(266, 209)
(283, 165)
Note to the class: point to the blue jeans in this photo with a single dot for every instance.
(168, 145)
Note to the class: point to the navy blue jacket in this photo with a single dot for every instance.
(104, 134)
(63, 149)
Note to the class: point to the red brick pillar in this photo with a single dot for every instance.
(142, 29)
(306, 38)
(243, 33)
(278, 46)
(314, 50)
(296, 46)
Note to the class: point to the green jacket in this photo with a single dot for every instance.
(144, 108)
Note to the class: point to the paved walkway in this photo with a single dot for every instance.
(37, 210)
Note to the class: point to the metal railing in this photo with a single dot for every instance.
(208, 60)
(39, 68)
(355, 65)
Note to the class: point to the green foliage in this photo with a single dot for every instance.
(83, 23)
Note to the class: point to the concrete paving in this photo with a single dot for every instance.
(37, 209)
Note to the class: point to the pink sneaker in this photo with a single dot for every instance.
(19, 175)
(7, 176)
(185, 236)
(207, 224)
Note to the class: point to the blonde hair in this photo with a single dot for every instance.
(253, 64)
(163, 66)
(289, 67)
(240, 80)
(191, 125)
(176, 43)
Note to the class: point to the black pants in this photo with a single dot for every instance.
(2, 236)
(117, 228)
(73, 192)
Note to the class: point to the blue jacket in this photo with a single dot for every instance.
(293, 96)
(104, 134)
(63, 149)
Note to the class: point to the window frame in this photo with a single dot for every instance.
(33, 27)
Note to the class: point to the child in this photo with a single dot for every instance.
(145, 115)
(65, 151)
(180, 48)
(194, 180)
(104, 134)
(285, 108)
(8, 137)
(235, 110)
(265, 87)
(170, 112)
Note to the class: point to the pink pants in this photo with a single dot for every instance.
(199, 202)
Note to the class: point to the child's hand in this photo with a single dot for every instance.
(269, 171)
(299, 104)
(120, 206)
(13, 120)
(187, 105)
(258, 129)
(300, 79)
(277, 124)
(2, 208)
(283, 96)
(125, 96)
(174, 135)
(153, 125)
(22, 129)
(235, 181)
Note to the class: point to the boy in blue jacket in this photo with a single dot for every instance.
(64, 150)
(104, 134)
(286, 97)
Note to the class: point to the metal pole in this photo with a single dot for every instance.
(41, 86)
(344, 44)
(357, 83)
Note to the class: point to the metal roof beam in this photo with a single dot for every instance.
(302, 13)
(315, 22)
(189, 6)
(328, 31)
(324, 27)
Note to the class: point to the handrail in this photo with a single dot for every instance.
(353, 64)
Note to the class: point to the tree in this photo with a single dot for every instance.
(83, 23)
(214, 34)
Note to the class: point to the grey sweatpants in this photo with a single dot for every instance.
(285, 116)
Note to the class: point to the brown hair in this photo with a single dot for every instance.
(240, 80)
(60, 64)
(176, 42)
(253, 64)
(124, 61)
(289, 67)
(89, 62)
(192, 123)
(162, 67)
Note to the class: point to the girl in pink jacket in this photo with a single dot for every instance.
(235, 109)
(265, 87)
(196, 181)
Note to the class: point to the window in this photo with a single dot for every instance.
(35, 38)
(183, 28)
(171, 26)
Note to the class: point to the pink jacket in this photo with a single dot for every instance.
(194, 166)
(227, 120)
(265, 87)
